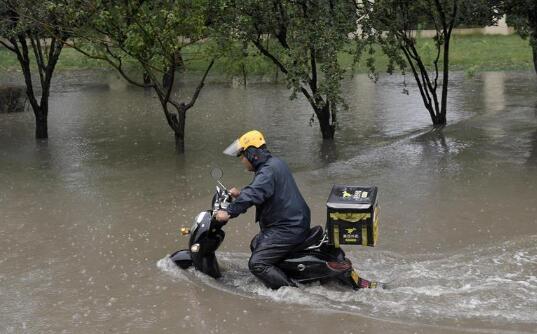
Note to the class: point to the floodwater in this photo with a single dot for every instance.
(87, 219)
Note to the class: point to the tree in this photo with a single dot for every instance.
(34, 32)
(152, 35)
(302, 38)
(393, 24)
(522, 14)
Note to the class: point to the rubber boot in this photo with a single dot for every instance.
(272, 277)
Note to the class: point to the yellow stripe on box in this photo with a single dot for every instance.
(336, 236)
(355, 277)
(352, 217)
(376, 225)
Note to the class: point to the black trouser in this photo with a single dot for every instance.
(267, 251)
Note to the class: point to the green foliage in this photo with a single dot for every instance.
(302, 38)
(399, 22)
(15, 19)
(393, 24)
(478, 13)
(152, 35)
(481, 52)
(150, 32)
(242, 59)
(522, 15)
(35, 32)
(43, 19)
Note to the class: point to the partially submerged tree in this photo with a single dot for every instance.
(34, 32)
(394, 25)
(302, 38)
(152, 35)
(522, 15)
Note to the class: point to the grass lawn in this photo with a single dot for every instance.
(69, 59)
(491, 53)
(472, 53)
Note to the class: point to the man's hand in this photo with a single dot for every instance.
(222, 216)
(234, 192)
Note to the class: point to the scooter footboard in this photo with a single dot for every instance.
(313, 265)
(207, 264)
(182, 258)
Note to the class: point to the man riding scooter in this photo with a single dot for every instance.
(282, 213)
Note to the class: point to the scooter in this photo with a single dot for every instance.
(315, 259)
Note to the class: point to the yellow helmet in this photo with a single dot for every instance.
(251, 138)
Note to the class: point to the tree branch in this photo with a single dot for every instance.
(171, 72)
(442, 14)
(200, 86)
(309, 97)
(118, 67)
(24, 60)
(270, 56)
(438, 49)
(281, 34)
(424, 74)
(426, 98)
(10, 48)
(313, 81)
(453, 19)
(36, 47)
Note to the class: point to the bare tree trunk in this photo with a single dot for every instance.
(428, 95)
(176, 120)
(535, 57)
(41, 124)
(328, 152)
(45, 66)
(179, 144)
(533, 43)
(40, 110)
(323, 115)
(441, 117)
(147, 80)
(447, 29)
(179, 130)
(167, 78)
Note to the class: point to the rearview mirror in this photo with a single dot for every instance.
(217, 173)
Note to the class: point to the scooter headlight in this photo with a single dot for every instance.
(195, 248)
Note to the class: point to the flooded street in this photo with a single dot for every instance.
(88, 218)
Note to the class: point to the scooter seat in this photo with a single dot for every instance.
(314, 238)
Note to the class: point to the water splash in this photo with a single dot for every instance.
(496, 284)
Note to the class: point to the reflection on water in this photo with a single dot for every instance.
(532, 156)
(86, 215)
(494, 91)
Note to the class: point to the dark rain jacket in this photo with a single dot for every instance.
(280, 207)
